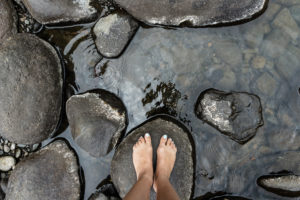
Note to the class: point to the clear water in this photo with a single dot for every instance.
(164, 71)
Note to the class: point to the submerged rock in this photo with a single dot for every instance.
(51, 173)
(191, 12)
(56, 11)
(113, 33)
(284, 185)
(30, 89)
(285, 22)
(8, 19)
(235, 114)
(7, 163)
(97, 120)
(122, 169)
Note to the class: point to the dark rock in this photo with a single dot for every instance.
(100, 196)
(105, 191)
(8, 19)
(191, 12)
(229, 198)
(284, 185)
(51, 173)
(235, 114)
(122, 169)
(113, 33)
(56, 11)
(30, 89)
(97, 121)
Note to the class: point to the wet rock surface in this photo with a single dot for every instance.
(51, 12)
(8, 19)
(191, 12)
(284, 185)
(236, 114)
(50, 173)
(165, 70)
(30, 89)
(97, 121)
(113, 33)
(122, 169)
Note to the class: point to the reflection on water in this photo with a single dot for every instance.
(164, 71)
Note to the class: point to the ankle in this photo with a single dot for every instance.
(161, 179)
(146, 179)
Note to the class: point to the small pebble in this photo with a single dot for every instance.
(26, 22)
(6, 149)
(7, 163)
(18, 153)
(6, 142)
(13, 146)
(34, 147)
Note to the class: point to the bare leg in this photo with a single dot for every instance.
(166, 156)
(142, 161)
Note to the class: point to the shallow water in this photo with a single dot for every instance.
(164, 71)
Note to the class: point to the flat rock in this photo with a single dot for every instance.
(8, 19)
(235, 114)
(51, 173)
(97, 121)
(56, 11)
(191, 12)
(7, 163)
(30, 89)
(122, 169)
(284, 185)
(113, 33)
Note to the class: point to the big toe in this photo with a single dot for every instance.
(163, 140)
(148, 138)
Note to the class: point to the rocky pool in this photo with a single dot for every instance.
(164, 69)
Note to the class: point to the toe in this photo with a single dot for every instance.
(148, 138)
(169, 142)
(141, 140)
(163, 140)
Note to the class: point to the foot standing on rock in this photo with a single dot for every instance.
(142, 160)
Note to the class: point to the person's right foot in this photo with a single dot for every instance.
(166, 156)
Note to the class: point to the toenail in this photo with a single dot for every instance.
(165, 136)
(147, 135)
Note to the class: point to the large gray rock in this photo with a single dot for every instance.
(56, 11)
(113, 33)
(122, 169)
(235, 114)
(97, 121)
(191, 12)
(51, 173)
(8, 19)
(30, 89)
(284, 185)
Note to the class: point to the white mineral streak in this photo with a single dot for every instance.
(214, 111)
(104, 25)
(288, 183)
(84, 6)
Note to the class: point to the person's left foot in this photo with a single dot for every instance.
(142, 158)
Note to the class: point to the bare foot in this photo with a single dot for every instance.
(166, 156)
(142, 158)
